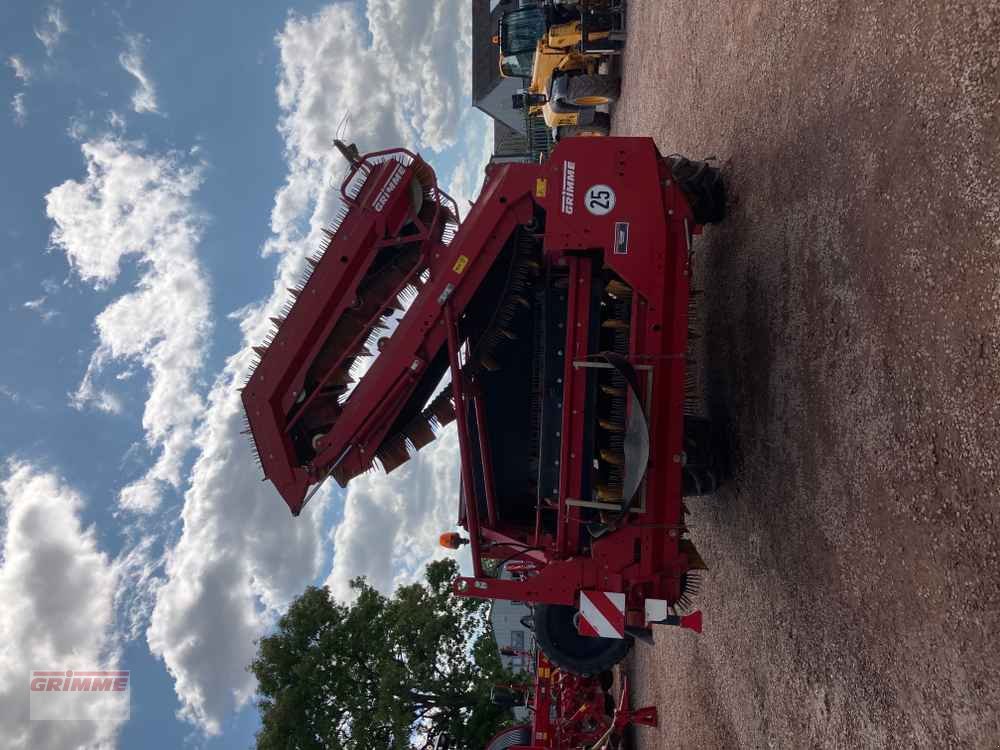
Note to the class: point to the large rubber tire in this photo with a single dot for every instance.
(704, 187)
(600, 127)
(555, 632)
(511, 737)
(591, 91)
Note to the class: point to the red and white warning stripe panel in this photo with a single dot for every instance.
(602, 614)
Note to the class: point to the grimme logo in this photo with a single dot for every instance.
(69, 695)
(391, 184)
(568, 186)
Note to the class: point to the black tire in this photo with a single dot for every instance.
(511, 737)
(705, 189)
(600, 127)
(556, 634)
(586, 90)
(701, 473)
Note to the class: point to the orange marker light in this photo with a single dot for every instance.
(452, 540)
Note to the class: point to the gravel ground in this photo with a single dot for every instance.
(852, 315)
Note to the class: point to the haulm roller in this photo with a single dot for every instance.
(552, 326)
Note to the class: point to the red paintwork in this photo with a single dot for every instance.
(656, 266)
(278, 379)
(568, 710)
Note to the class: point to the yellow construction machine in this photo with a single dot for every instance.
(559, 50)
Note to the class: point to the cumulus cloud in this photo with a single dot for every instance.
(20, 68)
(144, 98)
(57, 589)
(467, 178)
(19, 109)
(392, 523)
(51, 29)
(241, 556)
(134, 205)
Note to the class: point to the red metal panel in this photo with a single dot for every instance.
(420, 333)
(655, 264)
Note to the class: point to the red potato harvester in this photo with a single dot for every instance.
(560, 309)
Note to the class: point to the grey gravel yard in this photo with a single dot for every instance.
(852, 346)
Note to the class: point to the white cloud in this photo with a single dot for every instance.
(467, 178)
(20, 68)
(437, 35)
(144, 98)
(400, 515)
(77, 128)
(136, 205)
(57, 589)
(51, 28)
(88, 394)
(38, 306)
(10, 393)
(241, 555)
(20, 111)
(141, 568)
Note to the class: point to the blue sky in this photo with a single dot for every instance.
(166, 168)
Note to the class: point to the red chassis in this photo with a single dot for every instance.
(583, 262)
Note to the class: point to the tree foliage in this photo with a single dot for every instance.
(381, 672)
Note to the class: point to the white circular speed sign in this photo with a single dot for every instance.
(599, 200)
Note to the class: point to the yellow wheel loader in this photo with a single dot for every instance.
(559, 50)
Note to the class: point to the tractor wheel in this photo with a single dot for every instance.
(592, 91)
(555, 632)
(705, 189)
(600, 127)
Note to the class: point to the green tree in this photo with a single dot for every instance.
(381, 672)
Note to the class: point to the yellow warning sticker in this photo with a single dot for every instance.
(541, 187)
(460, 264)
